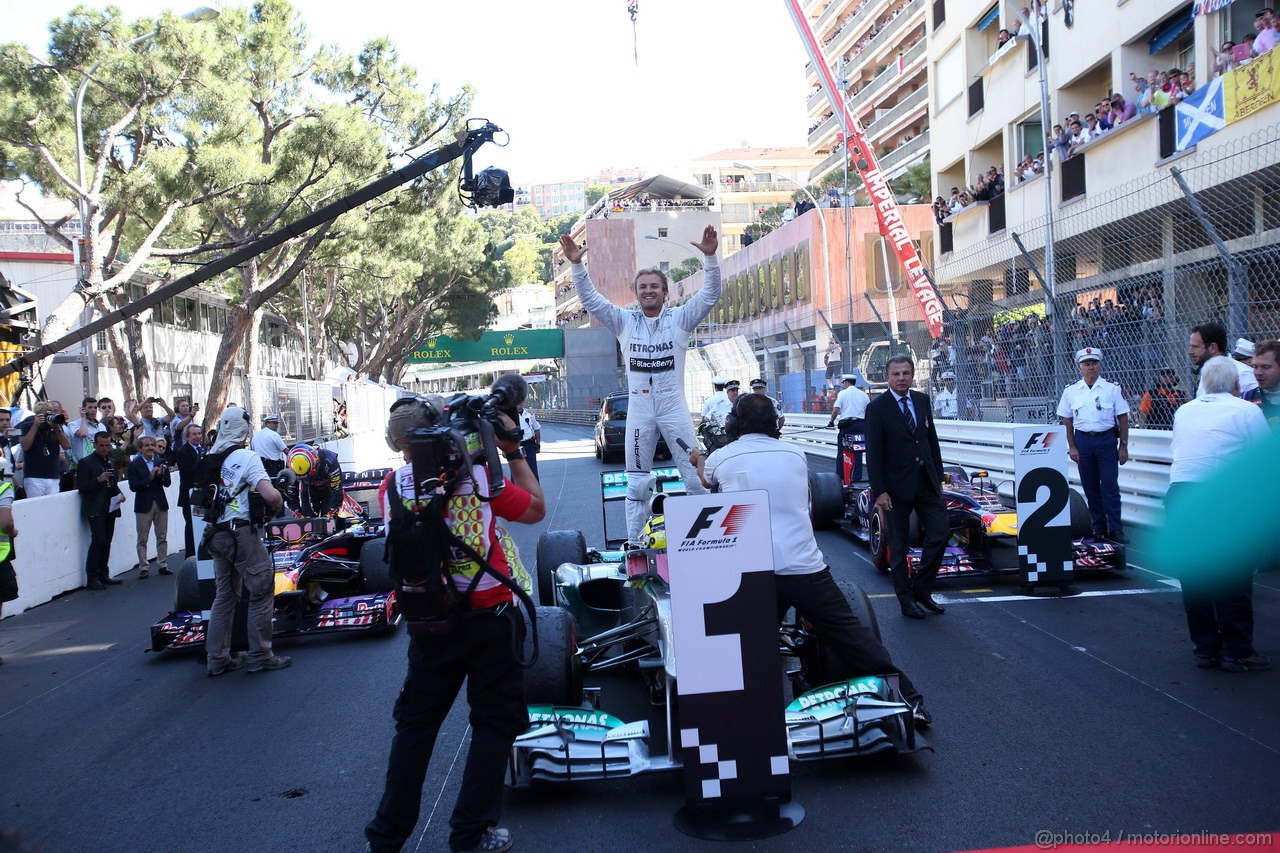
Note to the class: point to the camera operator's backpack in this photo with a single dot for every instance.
(208, 499)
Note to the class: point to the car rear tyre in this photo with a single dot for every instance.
(1081, 518)
(556, 676)
(186, 597)
(556, 547)
(826, 498)
(374, 566)
(878, 540)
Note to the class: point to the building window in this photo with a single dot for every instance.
(662, 232)
(665, 266)
(949, 76)
(1030, 138)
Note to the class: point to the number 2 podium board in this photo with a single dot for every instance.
(1045, 555)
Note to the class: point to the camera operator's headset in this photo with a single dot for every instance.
(732, 425)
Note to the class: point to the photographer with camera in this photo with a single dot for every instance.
(148, 423)
(654, 339)
(83, 429)
(482, 645)
(148, 479)
(43, 442)
(185, 416)
(96, 482)
(239, 557)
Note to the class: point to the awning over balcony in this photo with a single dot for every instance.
(989, 18)
(1206, 7)
(660, 186)
(1171, 29)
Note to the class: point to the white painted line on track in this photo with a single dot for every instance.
(1092, 593)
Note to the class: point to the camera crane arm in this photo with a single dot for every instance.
(464, 146)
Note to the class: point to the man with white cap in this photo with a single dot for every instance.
(1096, 416)
(717, 397)
(712, 428)
(1243, 354)
(268, 444)
(759, 386)
(847, 413)
(833, 360)
(945, 404)
(239, 557)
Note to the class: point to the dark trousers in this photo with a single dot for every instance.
(932, 516)
(480, 650)
(817, 598)
(530, 451)
(1100, 478)
(272, 466)
(852, 431)
(1218, 600)
(102, 528)
(189, 535)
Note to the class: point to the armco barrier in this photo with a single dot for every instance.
(53, 539)
(585, 417)
(987, 446)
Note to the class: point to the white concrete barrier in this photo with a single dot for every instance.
(53, 540)
(988, 446)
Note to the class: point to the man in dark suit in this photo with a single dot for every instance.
(905, 466)
(96, 482)
(186, 458)
(148, 478)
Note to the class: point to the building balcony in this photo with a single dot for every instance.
(917, 101)
(878, 87)
(891, 35)
(822, 130)
(904, 155)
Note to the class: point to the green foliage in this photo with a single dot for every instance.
(595, 192)
(915, 185)
(687, 267)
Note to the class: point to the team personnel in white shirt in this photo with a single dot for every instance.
(1096, 416)
(1219, 598)
(847, 413)
(758, 460)
(945, 405)
(530, 437)
(759, 386)
(268, 444)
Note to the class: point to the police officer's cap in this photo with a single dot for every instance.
(849, 377)
(948, 375)
(1088, 354)
(759, 383)
(718, 381)
(732, 385)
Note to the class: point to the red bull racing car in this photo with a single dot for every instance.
(983, 522)
(330, 576)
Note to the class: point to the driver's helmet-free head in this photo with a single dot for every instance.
(303, 460)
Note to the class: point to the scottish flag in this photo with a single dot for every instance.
(1200, 115)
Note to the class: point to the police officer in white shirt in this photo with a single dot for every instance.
(268, 444)
(759, 386)
(530, 437)
(1096, 416)
(717, 397)
(847, 413)
(712, 427)
(945, 405)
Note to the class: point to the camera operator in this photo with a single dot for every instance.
(481, 650)
(319, 480)
(43, 441)
(148, 479)
(758, 460)
(239, 557)
(96, 481)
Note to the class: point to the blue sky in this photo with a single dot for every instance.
(560, 75)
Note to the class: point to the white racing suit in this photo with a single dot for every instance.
(654, 350)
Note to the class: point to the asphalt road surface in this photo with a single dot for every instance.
(1070, 716)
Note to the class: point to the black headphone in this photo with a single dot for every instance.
(733, 421)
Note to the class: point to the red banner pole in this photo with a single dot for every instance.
(885, 205)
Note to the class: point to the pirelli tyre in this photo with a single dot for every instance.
(826, 498)
(556, 676)
(1081, 518)
(186, 598)
(861, 606)
(878, 539)
(374, 566)
(556, 547)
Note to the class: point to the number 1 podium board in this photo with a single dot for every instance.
(731, 727)
(1045, 554)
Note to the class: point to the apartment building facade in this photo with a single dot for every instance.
(748, 180)
(879, 53)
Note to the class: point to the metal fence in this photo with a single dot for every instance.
(1137, 266)
(310, 411)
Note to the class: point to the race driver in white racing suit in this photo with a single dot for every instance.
(654, 339)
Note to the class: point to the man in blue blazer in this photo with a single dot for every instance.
(148, 478)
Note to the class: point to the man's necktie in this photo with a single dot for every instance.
(906, 413)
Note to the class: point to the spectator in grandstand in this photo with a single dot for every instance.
(186, 415)
(148, 423)
(1265, 39)
(1161, 400)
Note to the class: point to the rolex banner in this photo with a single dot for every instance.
(492, 346)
